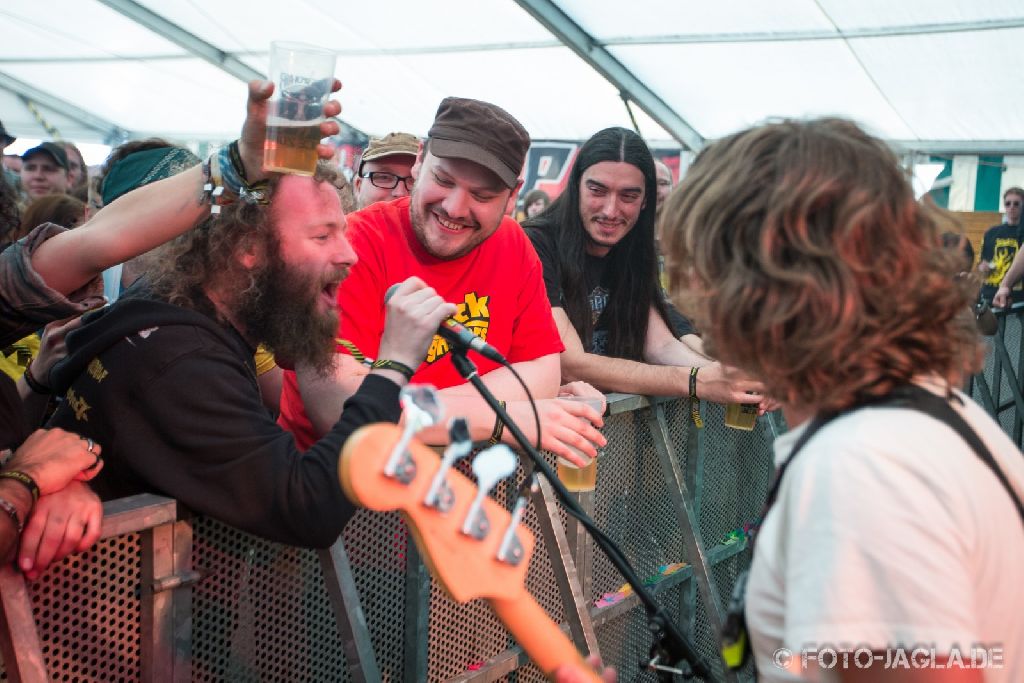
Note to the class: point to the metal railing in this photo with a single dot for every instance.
(998, 388)
(166, 599)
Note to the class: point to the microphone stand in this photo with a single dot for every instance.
(671, 647)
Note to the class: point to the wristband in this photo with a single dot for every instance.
(401, 368)
(34, 384)
(12, 512)
(499, 428)
(23, 479)
(694, 401)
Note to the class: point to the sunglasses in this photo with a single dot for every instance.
(1011, 202)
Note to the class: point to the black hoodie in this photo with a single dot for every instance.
(171, 395)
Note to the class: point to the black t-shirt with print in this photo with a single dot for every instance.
(597, 291)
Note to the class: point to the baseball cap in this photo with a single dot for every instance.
(5, 137)
(480, 132)
(392, 144)
(53, 149)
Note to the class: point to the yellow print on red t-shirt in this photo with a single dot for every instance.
(474, 314)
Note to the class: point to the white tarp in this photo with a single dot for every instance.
(913, 70)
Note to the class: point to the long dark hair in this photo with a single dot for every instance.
(631, 273)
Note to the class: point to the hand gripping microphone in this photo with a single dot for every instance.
(458, 335)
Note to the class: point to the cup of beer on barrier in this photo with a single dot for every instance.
(741, 416)
(302, 77)
(574, 477)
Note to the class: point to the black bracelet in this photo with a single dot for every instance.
(385, 364)
(499, 427)
(34, 384)
(12, 512)
(23, 479)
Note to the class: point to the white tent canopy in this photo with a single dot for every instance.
(938, 75)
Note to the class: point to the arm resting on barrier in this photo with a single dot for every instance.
(666, 372)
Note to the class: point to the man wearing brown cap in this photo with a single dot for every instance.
(452, 232)
(384, 169)
(44, 170)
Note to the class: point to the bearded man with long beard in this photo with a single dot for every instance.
(165, 380)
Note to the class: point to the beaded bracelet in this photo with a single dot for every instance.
(23, 479)
(213, 186)
(224, 180)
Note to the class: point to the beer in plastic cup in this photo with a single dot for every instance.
(580, 478)
(741, 416)
(302, 76)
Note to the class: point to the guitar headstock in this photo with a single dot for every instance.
(468, 567)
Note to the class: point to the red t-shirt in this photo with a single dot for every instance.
(498, 288)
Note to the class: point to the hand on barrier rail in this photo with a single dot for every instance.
(581, 389)
(1002, 297)
(724, 384)
(61, 523)
(53, 457)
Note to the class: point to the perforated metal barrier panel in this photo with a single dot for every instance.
(87, 613)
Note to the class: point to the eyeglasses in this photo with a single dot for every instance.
(1011, 202)
(387, 181)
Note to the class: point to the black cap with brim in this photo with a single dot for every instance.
(55, 152)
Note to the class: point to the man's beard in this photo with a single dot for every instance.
(280, 311)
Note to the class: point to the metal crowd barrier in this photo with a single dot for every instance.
(163, 598)
(168, 597)
(998, 386)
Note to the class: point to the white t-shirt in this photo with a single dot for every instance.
(889, 532)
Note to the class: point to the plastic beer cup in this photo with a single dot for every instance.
(741, 416)
(302, 77)
(574, 477)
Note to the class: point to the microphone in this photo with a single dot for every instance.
(458, 335)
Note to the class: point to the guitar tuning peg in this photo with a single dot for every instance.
(458, 430)
(490, 467)
(422, 408)
(511, 550)
(421, 404)
(439, 495)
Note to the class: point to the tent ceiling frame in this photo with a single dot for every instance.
(187, 41)
(631, 87)
(948, 147)
(112, 133)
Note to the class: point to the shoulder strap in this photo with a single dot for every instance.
(930, 404)
(912, 397)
